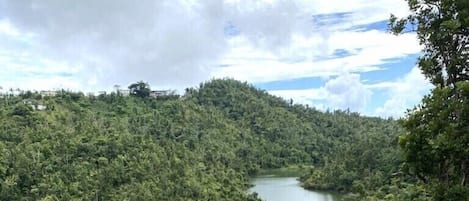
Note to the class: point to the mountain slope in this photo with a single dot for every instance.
(202, 146)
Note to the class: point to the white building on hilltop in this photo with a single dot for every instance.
(48, 93)
(157, 93)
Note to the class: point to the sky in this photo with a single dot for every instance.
(329, 55)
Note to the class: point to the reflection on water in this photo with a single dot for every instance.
(286, 189)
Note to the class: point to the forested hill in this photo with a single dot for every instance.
(200, 146)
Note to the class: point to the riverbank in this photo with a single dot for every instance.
(288, 171)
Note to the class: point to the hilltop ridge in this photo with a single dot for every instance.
(202, 146)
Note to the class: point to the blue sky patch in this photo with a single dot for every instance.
(377, 99)
(393, 69)
(330, 18)
(231, 30)
(380, 25)
(339, 53)
(300, 83)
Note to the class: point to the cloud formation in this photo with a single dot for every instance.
(165, 42)
(306, 57)
(343, 92)
(403, 93)
(347, 92)
(92, 45)
(175, 43)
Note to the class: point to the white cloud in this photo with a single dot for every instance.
(22, 68)
(7, 29)
(267, 25)
(404, 93)
(178, 43)
(43, 83)
(381, 7)
(119, 41)
(370, 50)
(348, 91)
(303, 96)
(342, 92)
(175, 44)
(282, 41)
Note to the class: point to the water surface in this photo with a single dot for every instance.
(287, 189)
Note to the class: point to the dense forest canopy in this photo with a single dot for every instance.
(201, 146)
(436, 144)
(208, 142)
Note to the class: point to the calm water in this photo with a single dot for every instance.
(286, 189)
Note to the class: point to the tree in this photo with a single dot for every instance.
(436, 145)
(22, 110)
(140, 89)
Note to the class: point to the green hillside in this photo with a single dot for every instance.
(203, 145)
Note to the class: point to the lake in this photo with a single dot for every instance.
(286, 189)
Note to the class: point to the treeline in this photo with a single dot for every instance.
(203, 145)
(348, 153)
(112, 147)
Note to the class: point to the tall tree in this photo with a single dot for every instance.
(140, 89)
(436, 145)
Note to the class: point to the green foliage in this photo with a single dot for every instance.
(140, 89)
(442, 27)
(22, 110)
(117, 148)
(202, 146)
(436, 143)
(360, 162)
